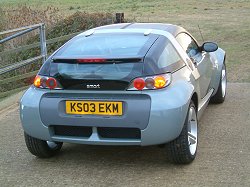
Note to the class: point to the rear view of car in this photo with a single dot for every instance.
(88, 86)
(112, 87)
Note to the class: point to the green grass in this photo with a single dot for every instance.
(226, 22)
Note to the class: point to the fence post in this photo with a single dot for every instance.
(43, 42)
(119, 18)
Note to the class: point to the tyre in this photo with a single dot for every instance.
(220, 95)
(41, 148)
(183, 149)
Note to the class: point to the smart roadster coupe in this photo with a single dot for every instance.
(124, 84)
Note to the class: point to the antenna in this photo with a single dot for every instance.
(201, 33)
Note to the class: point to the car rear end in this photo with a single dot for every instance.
(104, 89)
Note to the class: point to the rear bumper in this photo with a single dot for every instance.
(164, 123)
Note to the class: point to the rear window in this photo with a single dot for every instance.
(107, 45)
(124, 53)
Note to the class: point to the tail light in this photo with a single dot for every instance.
(151, 82)
(139, 83)
(46, 82)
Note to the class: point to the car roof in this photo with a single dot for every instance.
(172, 29)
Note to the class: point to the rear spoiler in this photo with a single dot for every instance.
(96, 60)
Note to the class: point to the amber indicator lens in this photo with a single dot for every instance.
(160, 82)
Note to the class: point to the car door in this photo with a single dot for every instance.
(200, 59)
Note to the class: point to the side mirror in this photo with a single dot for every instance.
(209, 47)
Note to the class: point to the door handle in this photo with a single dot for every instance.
(194, 61)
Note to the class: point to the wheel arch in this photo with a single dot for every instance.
(220, 56)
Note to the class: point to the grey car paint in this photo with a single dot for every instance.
(168, 107)
(165, 121)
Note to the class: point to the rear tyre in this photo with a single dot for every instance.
(220, 95)
(183, 149)
(41, 148)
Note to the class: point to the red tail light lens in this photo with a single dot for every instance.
(51, 83)
(46, 82)
(139, 83)
(151, 82)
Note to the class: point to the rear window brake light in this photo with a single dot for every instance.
(96, 60)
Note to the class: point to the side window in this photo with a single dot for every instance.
(168, 57)
(188, 44)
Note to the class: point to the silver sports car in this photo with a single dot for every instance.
(124, 84)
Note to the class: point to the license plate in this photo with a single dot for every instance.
(94, 108)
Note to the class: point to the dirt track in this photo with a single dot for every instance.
(223, 155)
